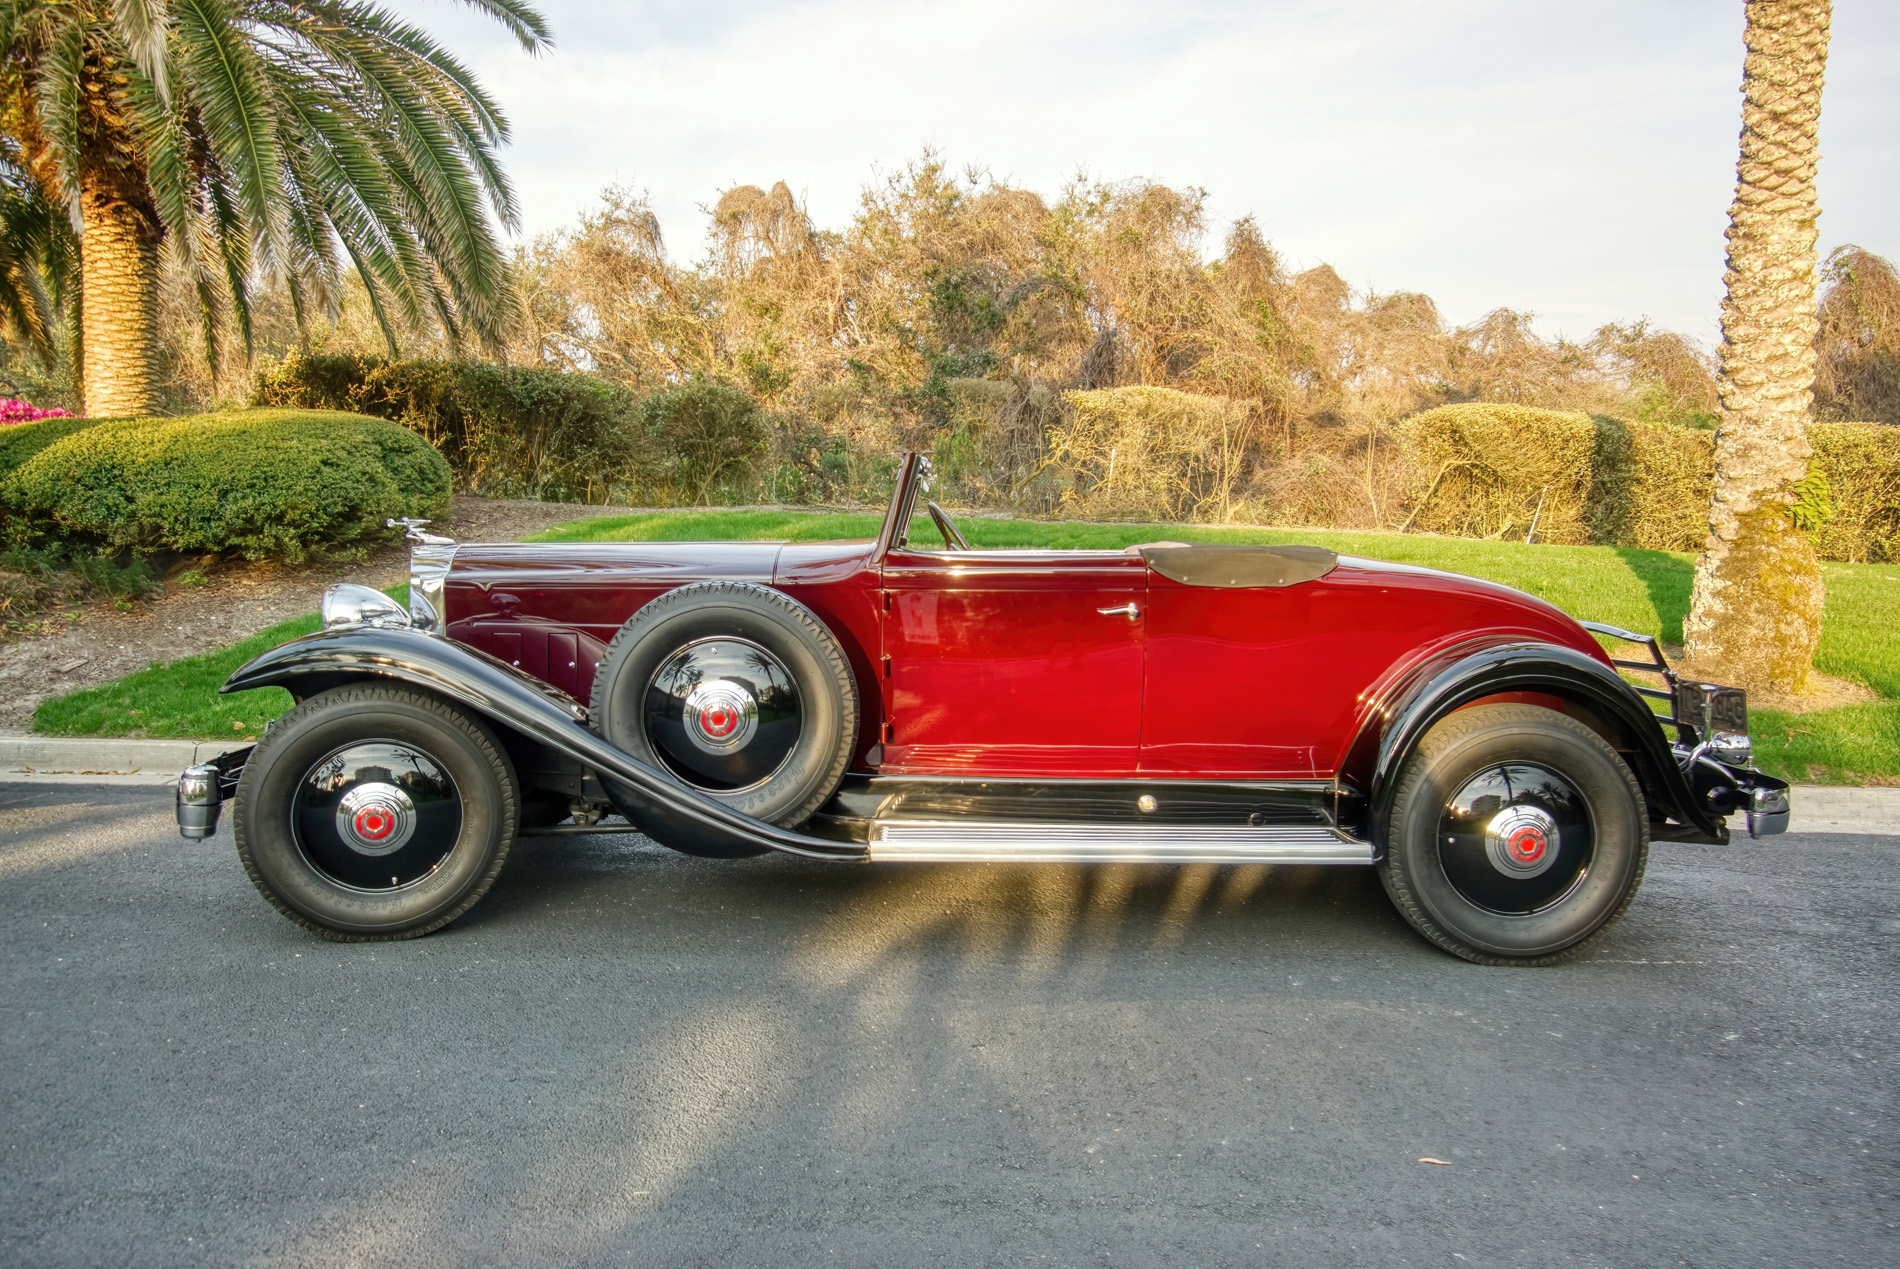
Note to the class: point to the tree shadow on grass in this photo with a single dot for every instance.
(1668, 579)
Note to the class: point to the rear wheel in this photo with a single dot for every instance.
(374, 812)
(1517, 836)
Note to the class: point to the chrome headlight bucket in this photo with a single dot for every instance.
(347, 604)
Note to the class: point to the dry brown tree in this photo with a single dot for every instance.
(1857, 376)
(604, 297)
(1755, 612)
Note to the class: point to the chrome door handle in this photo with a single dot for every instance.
(1129, 611)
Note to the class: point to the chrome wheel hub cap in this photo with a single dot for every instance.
(375, 819)
(377, 815)
(720, 716)
(1522, 841)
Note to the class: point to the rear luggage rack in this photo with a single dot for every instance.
(1657, 664)
(1703, 714)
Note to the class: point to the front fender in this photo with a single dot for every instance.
(503, 694)
(1396, 726)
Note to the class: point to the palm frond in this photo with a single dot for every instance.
(142, 26)
(56, 99)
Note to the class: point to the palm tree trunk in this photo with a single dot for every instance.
(118, 277)
(1755, 615)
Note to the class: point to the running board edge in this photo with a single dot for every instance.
(924, 841)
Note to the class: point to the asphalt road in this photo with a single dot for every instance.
(626, 1056)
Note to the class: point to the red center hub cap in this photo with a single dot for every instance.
(1522, 841)
(1526, 845)
(720, 716)
(374, 823)
(375, 818)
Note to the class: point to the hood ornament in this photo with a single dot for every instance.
(412, 531)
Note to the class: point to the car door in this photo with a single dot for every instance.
(1238, 681)
(1013, 663)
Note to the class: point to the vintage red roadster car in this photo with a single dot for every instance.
(901, 700)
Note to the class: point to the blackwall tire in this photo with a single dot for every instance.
(1518, 836)
(373, 812)
(744, 647)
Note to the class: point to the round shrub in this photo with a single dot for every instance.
(255, 482)
(21, 441)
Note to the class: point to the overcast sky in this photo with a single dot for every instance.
(1571, 159)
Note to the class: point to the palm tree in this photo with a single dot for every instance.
(1755, 614)
(38, 261)
(261, 142)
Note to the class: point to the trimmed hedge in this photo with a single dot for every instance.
(1490, 469)
(255, 482)
(507, 431)
(23, 440)
(1862, 464)
(1484, 467)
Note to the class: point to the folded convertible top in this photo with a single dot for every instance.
(1236, 566)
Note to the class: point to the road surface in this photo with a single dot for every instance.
(625, 1056)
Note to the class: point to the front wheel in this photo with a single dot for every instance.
(1518, 835)
(373, 812)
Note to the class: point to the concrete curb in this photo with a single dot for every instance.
(57, 760)
(1821, 808)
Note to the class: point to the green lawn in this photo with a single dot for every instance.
(1642, 590)
(179, 699)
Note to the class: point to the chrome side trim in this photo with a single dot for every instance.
(950, 841)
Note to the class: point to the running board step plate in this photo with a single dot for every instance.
(951, 841)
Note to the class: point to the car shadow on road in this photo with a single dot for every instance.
(1032, 913)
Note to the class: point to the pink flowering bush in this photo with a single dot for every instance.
(12, 411)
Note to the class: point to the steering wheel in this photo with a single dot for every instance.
(951, 537)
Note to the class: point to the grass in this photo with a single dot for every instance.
(1641, 590)
(179, 699)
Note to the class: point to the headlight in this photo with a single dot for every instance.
(429, 565)
(347, 604)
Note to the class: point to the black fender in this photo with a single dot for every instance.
(1455, 678)
(503, 695)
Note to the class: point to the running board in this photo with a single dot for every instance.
(948, 841)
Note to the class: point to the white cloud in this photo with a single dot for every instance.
(1573, 159)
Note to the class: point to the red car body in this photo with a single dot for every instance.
(1003, 663)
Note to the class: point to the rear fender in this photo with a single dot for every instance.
(1407, 709)
(508, 698)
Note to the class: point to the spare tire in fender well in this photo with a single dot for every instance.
(735, 690)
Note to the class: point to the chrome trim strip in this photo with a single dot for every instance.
(947, 841)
